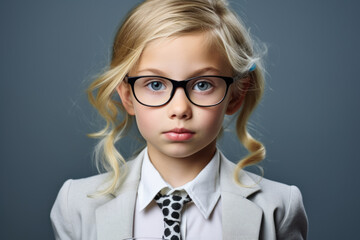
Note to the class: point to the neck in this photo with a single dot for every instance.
(179, 171)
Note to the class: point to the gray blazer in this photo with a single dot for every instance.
(268, 210)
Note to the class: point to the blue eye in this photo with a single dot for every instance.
(202, 86)
(156, 86)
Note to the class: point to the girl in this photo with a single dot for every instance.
(179, 66)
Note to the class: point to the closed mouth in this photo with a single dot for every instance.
(179, 130)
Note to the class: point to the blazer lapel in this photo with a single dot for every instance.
(241, 218)
(114, 220)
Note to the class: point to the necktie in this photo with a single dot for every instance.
(171, 206)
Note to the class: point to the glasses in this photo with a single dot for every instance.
(203, 91)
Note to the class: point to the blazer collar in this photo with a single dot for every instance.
(241, 218)
(114, 219)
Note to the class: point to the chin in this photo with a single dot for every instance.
(185, 151)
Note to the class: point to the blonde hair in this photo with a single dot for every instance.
(154, 19)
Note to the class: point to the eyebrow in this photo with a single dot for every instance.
(198, 72)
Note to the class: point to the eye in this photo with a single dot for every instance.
(202, 86)
(156, 86)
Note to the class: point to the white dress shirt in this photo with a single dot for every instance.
(201, 218)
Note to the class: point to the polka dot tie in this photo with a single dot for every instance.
(171, 206)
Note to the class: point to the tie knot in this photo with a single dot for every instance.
(171, 206)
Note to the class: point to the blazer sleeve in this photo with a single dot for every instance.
(60, 214)
(294, 224)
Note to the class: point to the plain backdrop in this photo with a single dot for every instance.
(308, 119)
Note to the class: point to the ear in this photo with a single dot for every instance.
(237, 99)
(124, 91)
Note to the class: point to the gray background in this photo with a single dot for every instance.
(308, 120)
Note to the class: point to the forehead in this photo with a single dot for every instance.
(181, 56)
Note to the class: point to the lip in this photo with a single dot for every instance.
(179, 134)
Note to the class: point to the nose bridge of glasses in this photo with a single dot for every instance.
(178, 84)
(181, 84)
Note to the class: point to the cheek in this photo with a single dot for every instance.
(212, 119)
(145, 120)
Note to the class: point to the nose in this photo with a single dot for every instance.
(179, 107)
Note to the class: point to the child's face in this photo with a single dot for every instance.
(179, 58)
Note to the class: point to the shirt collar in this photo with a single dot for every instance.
(204, 189)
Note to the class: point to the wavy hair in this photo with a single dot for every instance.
(154, 19)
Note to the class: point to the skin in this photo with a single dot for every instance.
(179, 58)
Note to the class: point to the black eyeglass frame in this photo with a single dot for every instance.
(177, 84)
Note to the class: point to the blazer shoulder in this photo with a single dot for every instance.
(72, 203)
(284, 204)
(253, 184)
(83, 192)
(76, 194)
(92, 183)
(270, 190)
(74, 210)
(274, 192)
